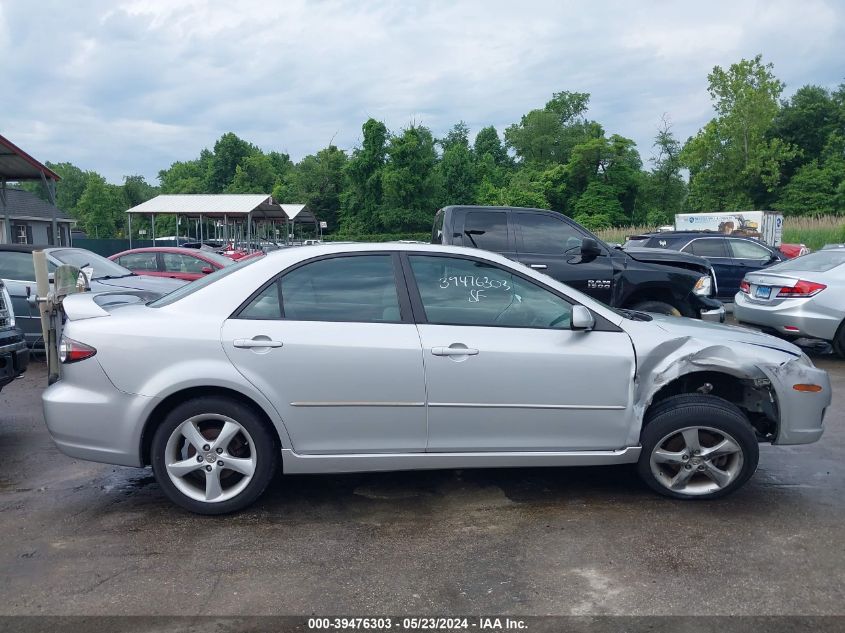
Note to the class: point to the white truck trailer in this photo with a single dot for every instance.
(767, 226)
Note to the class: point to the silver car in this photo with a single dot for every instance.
(376, 357)
(801, 297)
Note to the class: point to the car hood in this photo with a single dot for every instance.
(718, 333)
(158, 285)
(666, 256)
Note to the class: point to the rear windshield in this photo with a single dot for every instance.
(817, 262)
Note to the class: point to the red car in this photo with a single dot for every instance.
(794, 250)
(166, 261)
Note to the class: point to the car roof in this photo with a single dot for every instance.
(162, 249)
(21, 248)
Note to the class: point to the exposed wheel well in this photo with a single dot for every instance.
(158, 414)
(755, 398)
(657, 294)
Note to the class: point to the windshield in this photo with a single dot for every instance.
(101, 268)
(818, 262)
(191, 288)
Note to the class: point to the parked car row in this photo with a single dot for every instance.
(188, 264)
(731, 256)
(362, 357)
(650, 280)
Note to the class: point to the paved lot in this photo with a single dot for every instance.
(82, 538)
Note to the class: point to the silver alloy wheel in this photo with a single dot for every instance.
(696, 460)
(210, 458)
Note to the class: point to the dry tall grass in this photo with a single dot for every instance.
(814, 232)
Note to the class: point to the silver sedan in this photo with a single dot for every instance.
(802, 297)
(374, 357)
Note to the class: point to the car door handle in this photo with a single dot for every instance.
(538, 266)
(247, 343)
(454, 351)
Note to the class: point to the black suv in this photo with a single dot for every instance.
(731, 256)
(651, 280)
(14, 356)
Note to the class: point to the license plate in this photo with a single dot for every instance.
(763, 292)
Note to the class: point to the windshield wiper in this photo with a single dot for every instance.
(116, 276)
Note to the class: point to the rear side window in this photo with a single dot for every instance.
(708, 247)
(358, 289)
(547, 235)
(487, 230)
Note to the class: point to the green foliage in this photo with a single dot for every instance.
(411, 186)
(317, 181)
(362, 196)
(757, 152)
(101, 208)
(734, 163)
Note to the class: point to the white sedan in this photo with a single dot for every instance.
(370, 357)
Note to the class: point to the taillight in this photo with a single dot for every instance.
(71, 351)
(745, 287)
(802, 289)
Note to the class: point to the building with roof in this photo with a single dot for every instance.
(31, 220)
(26, 218)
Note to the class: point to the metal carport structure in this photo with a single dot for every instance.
(239, 209)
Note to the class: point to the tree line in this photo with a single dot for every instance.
(759, 151)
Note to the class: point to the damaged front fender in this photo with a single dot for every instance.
(755, 376)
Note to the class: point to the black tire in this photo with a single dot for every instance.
(658, 307)
(264, 442)
(839, 340)
(710, 413)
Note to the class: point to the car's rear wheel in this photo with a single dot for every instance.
(213, 455)
(697, 447)
(658, 307)
(839, 340)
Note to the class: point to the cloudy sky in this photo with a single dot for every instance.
(128, 87)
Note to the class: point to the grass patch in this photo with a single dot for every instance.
(812, 232)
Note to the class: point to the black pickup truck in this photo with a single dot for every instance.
(646, 279)
(14, 356)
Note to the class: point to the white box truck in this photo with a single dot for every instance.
(767, 226)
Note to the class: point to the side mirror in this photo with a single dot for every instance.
(207, 270)
(582, 318)
(590, 249)
(69, 280)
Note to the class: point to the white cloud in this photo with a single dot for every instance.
(130, 87)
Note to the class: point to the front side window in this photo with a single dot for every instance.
(743, 249)
(487, 230)
(178, 263)
(465, 292)
(139, 261)
(707, 247)
(360, 289)
(547, 235)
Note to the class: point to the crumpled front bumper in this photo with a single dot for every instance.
(801, 412)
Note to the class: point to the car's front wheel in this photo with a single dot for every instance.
(213, 455)
(697, 447)
(658, 307)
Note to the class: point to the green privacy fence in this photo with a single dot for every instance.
(109, 247)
